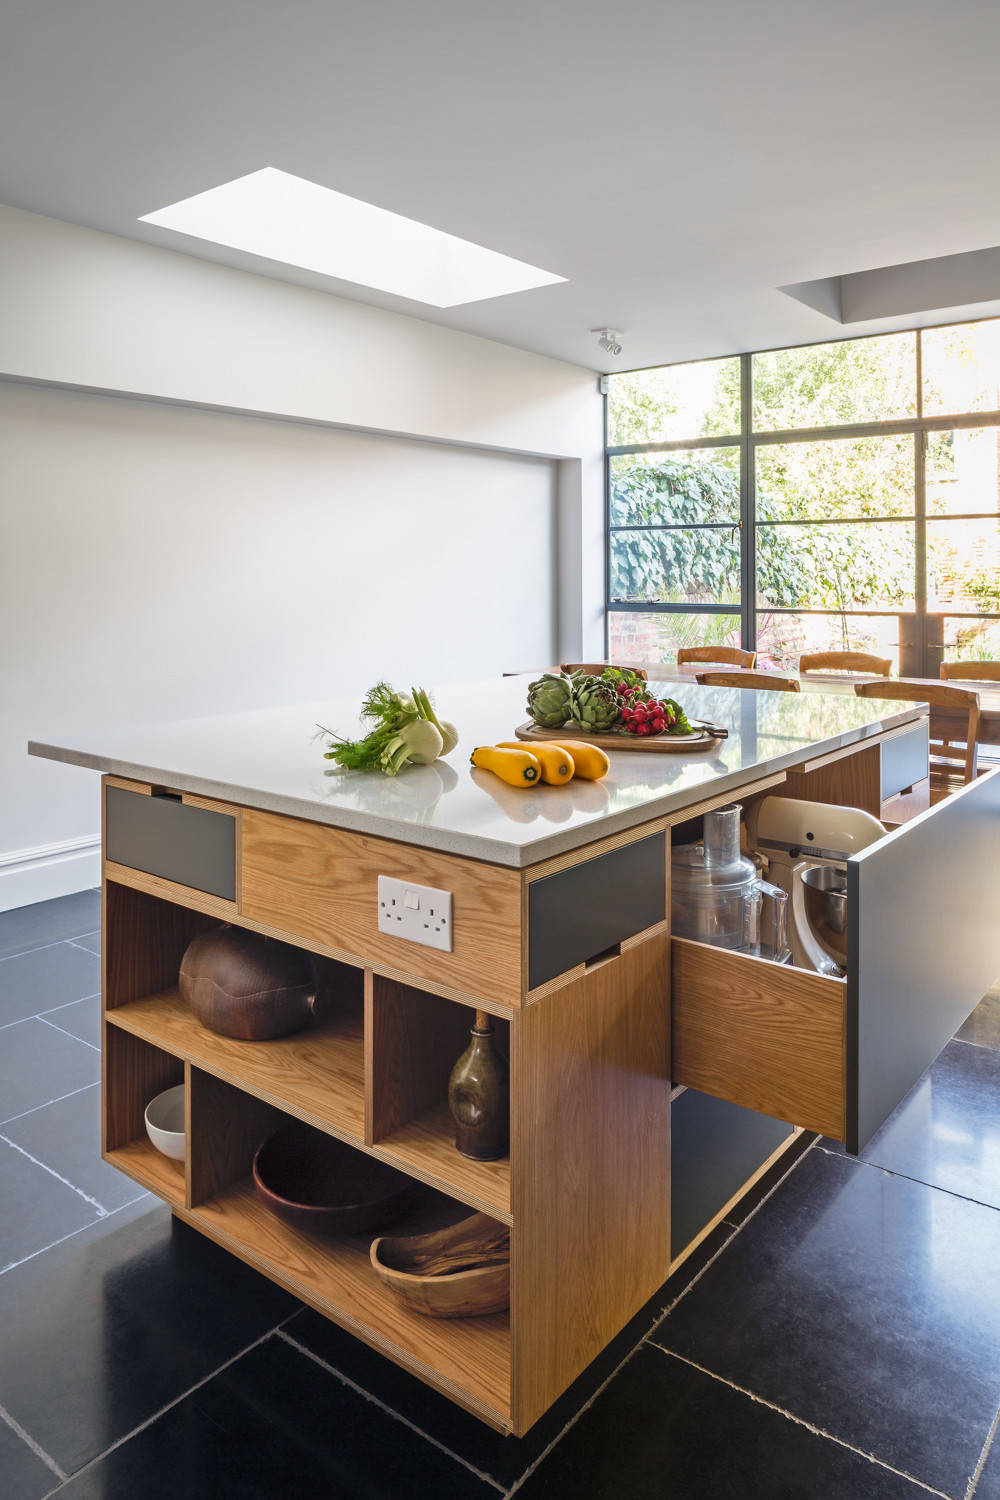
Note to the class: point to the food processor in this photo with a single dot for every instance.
(807, 845)
(718, 897)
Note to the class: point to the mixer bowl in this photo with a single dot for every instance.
(826, 908)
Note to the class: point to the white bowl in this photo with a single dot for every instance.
(165, 1122)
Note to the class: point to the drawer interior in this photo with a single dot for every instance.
(837, 1055)
(763, 1035)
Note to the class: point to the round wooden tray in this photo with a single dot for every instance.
(704, 738)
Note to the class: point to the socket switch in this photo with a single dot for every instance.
(418, 913)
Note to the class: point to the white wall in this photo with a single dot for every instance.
(161, 562)
(181, 554)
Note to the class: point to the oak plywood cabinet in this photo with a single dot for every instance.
(588, 1060)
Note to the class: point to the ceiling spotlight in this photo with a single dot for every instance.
(608, 339)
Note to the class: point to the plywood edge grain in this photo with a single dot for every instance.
(766, 1036)
(169, 890)
(579, 971)
(735, 794)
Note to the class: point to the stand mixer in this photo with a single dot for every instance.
(807, 845)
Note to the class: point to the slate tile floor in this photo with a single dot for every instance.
(840, 1338)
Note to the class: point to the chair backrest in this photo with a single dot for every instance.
(595, 668)
(767, 681)
(954, 719)
(729, 654)
(972, 671)
(845, 661)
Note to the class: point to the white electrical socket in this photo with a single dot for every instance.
(418, 913)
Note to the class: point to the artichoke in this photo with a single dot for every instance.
(549, 700)
(594, 705)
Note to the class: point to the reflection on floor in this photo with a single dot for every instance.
(840, 1338)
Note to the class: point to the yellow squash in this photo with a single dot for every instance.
(516, 767)
(590, 760)
(557, 764)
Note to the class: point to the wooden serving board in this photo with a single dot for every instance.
(676, 744)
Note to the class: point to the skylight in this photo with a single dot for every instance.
(285, 218)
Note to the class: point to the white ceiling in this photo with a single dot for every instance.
(677, 162)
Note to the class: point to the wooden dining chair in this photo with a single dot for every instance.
(845, 661)
(972, 671)
(954, 728)
(767, 681)
(595, 668)
(731, 655)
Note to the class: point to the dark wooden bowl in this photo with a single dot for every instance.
(317, 1183)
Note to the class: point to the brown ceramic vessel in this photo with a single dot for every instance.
(241, 984)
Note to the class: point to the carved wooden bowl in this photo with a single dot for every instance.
(317, 1183)
(459, 1272)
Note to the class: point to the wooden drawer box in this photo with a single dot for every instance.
(182, 841)
(838, 1055)
(321, 884)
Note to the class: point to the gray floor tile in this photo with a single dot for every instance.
(66, 1136)
(983, 1026)
(24, 1475)
(274, 1426)
(101, 1332)
(49, 921)
(865, 1304)
(81, 1019)
(91, 941)
(39, 1064)
(38, 1208)
(946, 1132)
(44, 978)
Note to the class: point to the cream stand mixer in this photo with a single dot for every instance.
(807, 845)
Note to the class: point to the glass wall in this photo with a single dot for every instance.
(840, 496)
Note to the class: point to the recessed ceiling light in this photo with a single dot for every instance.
(285, 218)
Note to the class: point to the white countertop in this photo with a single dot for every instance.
(269, 759)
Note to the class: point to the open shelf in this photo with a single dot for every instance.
(425, 1148)
(141, 1161)
(467, 1358)
(316, 1074)
(417, 1037)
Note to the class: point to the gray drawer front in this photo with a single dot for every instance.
(924, 946)
(190, 845)
(580, 912)
(904, 760)
(714, 1148)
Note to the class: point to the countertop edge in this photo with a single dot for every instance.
(472, 846)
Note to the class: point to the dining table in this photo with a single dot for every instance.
(832, 682)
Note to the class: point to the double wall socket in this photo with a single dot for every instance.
(418, 913)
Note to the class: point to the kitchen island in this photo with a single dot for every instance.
(560, 931)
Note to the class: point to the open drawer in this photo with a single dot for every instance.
(837, 1055)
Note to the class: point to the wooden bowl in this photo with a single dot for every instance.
(416, 1268)
(317, 1183)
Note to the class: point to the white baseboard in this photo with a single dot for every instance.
(39, 874)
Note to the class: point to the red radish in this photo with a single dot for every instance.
(644, 729)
